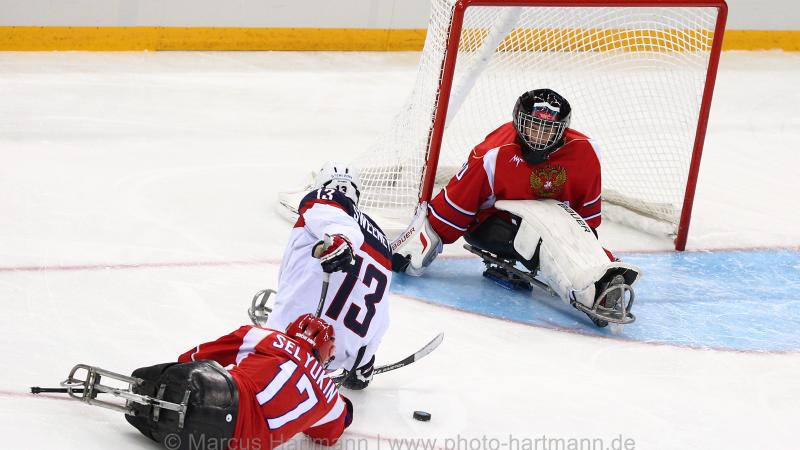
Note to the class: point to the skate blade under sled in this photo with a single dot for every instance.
(84, 384)
(619, 314)
(507, 274)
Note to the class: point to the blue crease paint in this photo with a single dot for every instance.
(737, 300)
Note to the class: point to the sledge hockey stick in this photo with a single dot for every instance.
(316, 252)
(41, 390)
(419, 354)
(326, 281)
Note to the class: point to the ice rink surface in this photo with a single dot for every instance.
(138, 220)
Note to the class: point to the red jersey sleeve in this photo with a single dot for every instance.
(224, 350)
(589, 203)
(452, 210)
(329, 429)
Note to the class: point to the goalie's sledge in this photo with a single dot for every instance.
(561, 253)
(507, 274)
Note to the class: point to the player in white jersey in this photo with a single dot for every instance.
(332, 235)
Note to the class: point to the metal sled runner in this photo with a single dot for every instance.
(89, 387)
(507, 274)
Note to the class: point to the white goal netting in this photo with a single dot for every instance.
(635, 77)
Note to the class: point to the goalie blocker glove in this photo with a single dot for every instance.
(335, 253)
(416, 249)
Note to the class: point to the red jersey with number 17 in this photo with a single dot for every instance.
(495, 171)
(283, 390)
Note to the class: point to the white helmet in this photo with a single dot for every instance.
(340, 176)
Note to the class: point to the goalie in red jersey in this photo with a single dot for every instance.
(555, 170)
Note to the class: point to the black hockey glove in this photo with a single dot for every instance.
(400, 262)
(361, 377)
(335, 253)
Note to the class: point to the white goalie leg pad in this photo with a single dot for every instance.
(419, 242)
(571, 260)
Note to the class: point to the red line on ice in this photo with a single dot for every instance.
(125, 266)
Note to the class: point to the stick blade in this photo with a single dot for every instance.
(429, 347)
(419, 354)
(337, 377)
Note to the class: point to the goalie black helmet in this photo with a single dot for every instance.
(541, 117)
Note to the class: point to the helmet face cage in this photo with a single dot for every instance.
(541, 117)
(539, 134)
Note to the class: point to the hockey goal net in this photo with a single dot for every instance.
(639, 76)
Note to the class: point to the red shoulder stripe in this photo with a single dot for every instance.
(306, 206)
(319, 201)
(379, 257)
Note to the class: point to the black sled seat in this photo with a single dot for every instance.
(212, 400)
(495, 235)
(493, 241)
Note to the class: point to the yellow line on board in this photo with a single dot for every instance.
(304, 39)
(194, 38)
(788, 40)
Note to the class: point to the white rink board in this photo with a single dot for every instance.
(394, 14)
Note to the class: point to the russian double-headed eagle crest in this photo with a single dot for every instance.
(548, 181)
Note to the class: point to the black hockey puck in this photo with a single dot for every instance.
(422, 416)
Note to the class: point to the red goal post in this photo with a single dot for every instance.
(639, 76)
